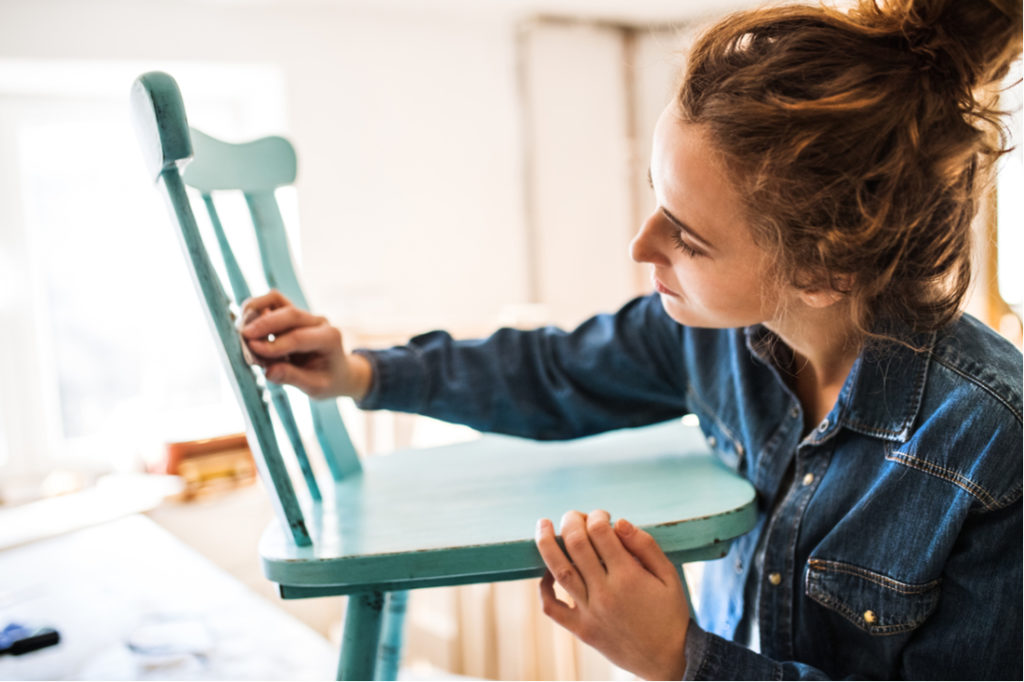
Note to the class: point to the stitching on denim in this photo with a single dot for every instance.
(913, 406)
(877, 578)
(957, 479)
(984, 387)
(872, 430)
(856, 618)
(718, 422)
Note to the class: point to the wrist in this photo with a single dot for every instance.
(360, 375)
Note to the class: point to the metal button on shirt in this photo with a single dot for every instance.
(808, 478)
(775, 578)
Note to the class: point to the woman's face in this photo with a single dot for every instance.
(704, 261)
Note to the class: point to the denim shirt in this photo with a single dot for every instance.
(889, 538)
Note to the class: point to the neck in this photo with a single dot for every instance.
(825, 346)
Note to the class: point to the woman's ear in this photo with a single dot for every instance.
(820, 298)
(825, 296)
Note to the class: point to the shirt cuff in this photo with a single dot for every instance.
(397, 382)
(710, 657)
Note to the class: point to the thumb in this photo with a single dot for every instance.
(644, 547)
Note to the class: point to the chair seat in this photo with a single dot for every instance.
(466, 513)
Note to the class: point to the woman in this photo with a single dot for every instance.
(815, 179)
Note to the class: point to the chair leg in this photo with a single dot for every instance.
(361, 636)
(390, 654)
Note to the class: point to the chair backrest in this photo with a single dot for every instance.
(177, 156)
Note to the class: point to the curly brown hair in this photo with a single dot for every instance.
(860, 142)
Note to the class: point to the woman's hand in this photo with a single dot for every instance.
(629, 602)
(301, 349)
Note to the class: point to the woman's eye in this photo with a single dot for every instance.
(683, 246)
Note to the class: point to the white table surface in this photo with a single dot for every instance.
(129, 582)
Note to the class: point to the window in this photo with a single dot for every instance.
(90, 267)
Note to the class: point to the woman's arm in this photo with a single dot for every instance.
(613, 371)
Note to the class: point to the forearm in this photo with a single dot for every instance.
(614, 371)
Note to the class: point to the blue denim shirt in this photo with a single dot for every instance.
(889, 541)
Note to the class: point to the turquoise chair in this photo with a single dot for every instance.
(423, 518)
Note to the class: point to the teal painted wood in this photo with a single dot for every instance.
(240, 290)
(262, 165)
(162, 128)
(470, 509)
(707, 553)
(360, 640)
(390, 648)
(279, 268)
(445, 516)
(334, 439)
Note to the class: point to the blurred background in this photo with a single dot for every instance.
(462, 165)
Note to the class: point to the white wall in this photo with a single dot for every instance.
(406, 127)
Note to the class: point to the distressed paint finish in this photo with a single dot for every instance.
(433, 517)
(361, 637)
(240, 290)
(445, 516)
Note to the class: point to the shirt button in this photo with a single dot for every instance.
(869, 616)
(712, 441)
(739, 566)
(808, 478)
(823, 426)
(794, 412)
(775, 578)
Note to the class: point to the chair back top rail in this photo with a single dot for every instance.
(162, 128)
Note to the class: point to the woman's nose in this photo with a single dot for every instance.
(645, 247)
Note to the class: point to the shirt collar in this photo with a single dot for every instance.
(882, 395)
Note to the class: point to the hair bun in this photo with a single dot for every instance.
(971, 40)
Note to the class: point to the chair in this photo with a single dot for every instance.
(425, 518)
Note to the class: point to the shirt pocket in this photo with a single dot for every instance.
(875, 603)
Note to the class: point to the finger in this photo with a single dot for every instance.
(558, 563)
(323, 339)
(278, 321)
(310, 382)
(257, 304)
(606, 543)
(577, 544)
(553, 607)
(641, 545)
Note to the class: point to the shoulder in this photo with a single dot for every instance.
(975, 357)
(968, 428)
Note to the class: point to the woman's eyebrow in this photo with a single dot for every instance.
(677, 222)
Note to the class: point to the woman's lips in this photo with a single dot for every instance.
(662, 289)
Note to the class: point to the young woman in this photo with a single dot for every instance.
(815, 178)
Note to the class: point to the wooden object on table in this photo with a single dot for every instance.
(442, 516)
(210, 464)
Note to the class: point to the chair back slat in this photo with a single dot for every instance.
(159, 117)
(240, 289)
(279, 268)
(258, 168)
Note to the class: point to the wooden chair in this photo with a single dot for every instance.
(440, 516)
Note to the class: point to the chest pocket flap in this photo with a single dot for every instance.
(875, 603)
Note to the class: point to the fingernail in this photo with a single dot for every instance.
(541, 525)
(624, 526)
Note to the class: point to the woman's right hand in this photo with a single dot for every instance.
(301, 349)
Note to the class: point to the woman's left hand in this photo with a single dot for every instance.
(629, 602)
